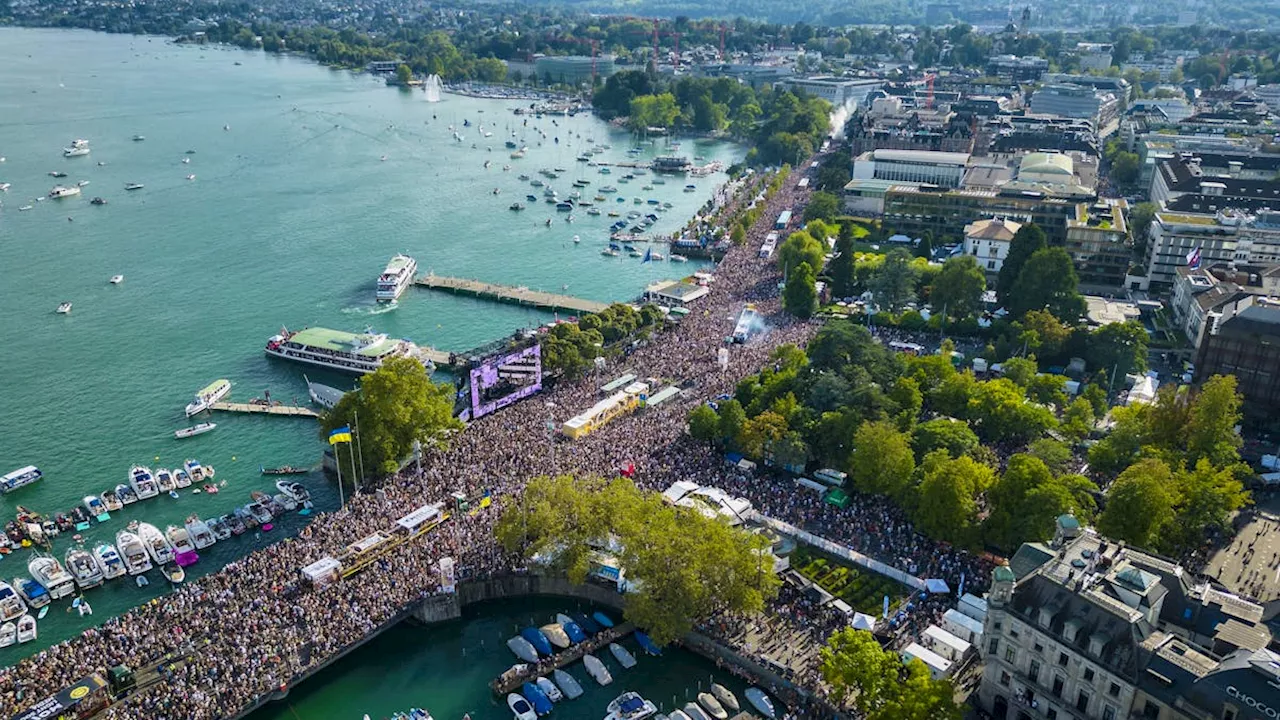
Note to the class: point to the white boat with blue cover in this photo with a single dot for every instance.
(520, 707)
(630, 706)
(109, 560)
(549, 689)
(12, 605)
(96, 508)
(19, 478)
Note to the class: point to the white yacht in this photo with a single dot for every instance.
(199, 532)
(84, 568)
(64, 308)
(180, 539)
(8, 634)
(520, 707)
(211, 394)
(75, 151)
(26, 629)
(181, 478)
(630, 706)
(59, 191)
(117, 279)
(11, 605)
(397, 276)
(109, 560)
(96, 508)
(341, 351)
(19, 478)
(196, 471)
(157, 546)
(136, 558)
(142, 482)
(197, 429)
(164, 480)
(49, 573)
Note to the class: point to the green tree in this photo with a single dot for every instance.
(842, 266)
(1211, 427)
(653, 111)
(558, 521)
(1052, 453)
(1019, 371)
(1125, 167)
(1029, 240)
(894, 283)
(1041, 333)
(738, 234)
(1118, 347)
(1048, 282)
(946, 506)
(800, 247)
(881, 686)
(1140, 219)
(944, 433)
(958, 287)
(403, 75)
(394, 407)
(1139, 504)
(760, 432)
(704, 424)
(732, 419)
(1001, 412)
(823, 206)
(1077, 420)
(881, 461)
(800, 296)
(1026, 500)
(925, 248)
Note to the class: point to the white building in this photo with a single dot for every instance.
(988, 241)
(1228, 236)
(1094, 57)
(837, 91)
(945, 169)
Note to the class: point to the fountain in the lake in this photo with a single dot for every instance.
(432, 88)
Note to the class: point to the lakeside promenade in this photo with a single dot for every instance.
(265, 629)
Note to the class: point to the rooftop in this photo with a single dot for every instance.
(921, 156)
(343, 342)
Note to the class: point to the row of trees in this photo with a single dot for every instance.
(570, 349)
(683, 565)
(980, 462)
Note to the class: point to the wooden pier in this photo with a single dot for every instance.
(512, 681)
(287, 410)
(506, 293)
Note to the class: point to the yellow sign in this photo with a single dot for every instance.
(79, 692)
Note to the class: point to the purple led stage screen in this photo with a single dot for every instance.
(498, 382)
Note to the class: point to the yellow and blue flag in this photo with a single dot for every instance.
(340, 435)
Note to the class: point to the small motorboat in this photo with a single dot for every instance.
(12, 605)
(602, 619)
(624, 658)
(538, 699)
(47, 571)
(246, 518)
(201, 535)
(591, 627)
(134, 186)
(630, 706)
(694, 712)
(109, 560)
(596, 669)
(194, 430)
(134, 552)
(111, 501)
(677, 715)
(196, 471)
(549, 689)
(220, 528)
(571, 628)
(523, 649)
(537, 639)
(96, 508)
(556, 635)
(32, 592)
(173, 573)
(181, 479)
(567, 683)
(64, 308)
(139, 138)
(295, 490)
(713, 706)
(126, 494)
(98, 201)
(760, 701)
(159, 548)
(8, 634)
(726, 697)
(165, 481)
(84, 569)
(259, 512)
(521, 707)
(142, 581)
(26, 629)
(647, 644)
(285, 470)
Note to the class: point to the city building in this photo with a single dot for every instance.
(1208, 182)
(1017, 69)
(1199, 294)
(749, 74)
(1083, 628)
(1094, 57)
(1244, 341)
(1099, 244)
(988, 242)
(1102, 109)
(839, 92)
(944, 169)
(573, 69)
(1180, 239)
(1117, 86)
(888, 125)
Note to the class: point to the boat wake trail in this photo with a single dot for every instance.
(379, 309)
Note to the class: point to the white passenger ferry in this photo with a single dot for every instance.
(397, 276)
(342, 351)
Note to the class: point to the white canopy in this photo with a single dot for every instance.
(863, 621)
(935, 585)
(323, 571)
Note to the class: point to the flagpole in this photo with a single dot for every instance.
(337, 462)
(359, 450)
(352, 456)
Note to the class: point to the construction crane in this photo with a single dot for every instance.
(928, 83)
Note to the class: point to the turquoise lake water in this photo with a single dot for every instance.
(292, 214)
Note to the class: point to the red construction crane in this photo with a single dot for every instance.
(723, 28)
(928, 83)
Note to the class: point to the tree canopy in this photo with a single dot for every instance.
(879, 684)
(685, 566)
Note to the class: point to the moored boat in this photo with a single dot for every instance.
(109, 560)
(164, 480)
(630, 706)
(12, 605)
(181, 478)
(19, 478)
(549, 689)
(596, 669)
(586, 623)
(84, 568)
(624, 658)
(126, 494)
(195, 470)
(341, 351)
(32, 592)
(602, 619)
(112, 501)
(157, 546)
(26, 629)
(8, 634)
(520, 707)
(694, 712)
(571, 628)
(180, 539)
(556, 635)
(647, 644)
(760, 701)
(538, 639)
(47, 571)
(173, 573)
(220, 528)
(726, 697)
(538, 699)
(567, 683)
(523, 649)
(199, 531)
(143, 482)
(212, 393)
(712, 706)
(284, 470)
(134, 552)
(96, 508)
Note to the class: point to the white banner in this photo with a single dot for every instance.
(840, 551)
(447, 583)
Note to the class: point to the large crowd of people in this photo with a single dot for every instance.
(255, 626)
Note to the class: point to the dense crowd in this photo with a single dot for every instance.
(253, 626)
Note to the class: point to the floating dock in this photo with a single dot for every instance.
(287, 410)
(506, 293)
(511, 682)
